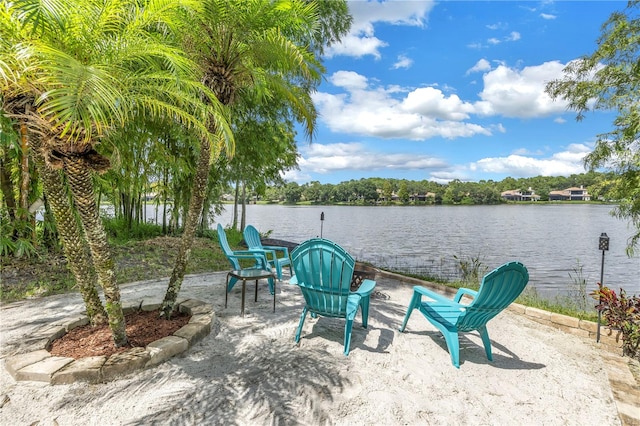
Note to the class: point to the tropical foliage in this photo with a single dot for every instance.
(113, 100)
(608, 80)
(256, 56)
(621, 312)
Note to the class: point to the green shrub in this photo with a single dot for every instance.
(622, 313)
(121, 232)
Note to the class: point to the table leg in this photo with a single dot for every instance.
(256, 297)
(244, 285)
(226, 292)
(274, 295)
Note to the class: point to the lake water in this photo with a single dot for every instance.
(553, 241)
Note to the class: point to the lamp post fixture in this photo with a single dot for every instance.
(603, 244)
(321, 222)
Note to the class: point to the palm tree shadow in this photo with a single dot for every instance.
(264, 378)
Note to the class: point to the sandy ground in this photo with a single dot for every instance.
(249, 370)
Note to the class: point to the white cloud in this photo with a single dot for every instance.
(319, 158)
(513, 36)
(296, 176)
(365, 108)
(431, 102)
(562, 163)
(382, 112)
(349, 80)
(547, 16)
(497, 26)
(481, 65)
(403, 62)
(409, 13)
(357, 46)
(520, 93)
(444, 177)
(361, 40)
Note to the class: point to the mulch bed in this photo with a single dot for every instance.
(143, 327)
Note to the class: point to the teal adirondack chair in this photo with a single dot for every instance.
(254, 243)
(323, 271)
(498, 289)
(235, 256)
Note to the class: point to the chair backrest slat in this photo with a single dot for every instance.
(499, 288)
(252, 237)
(224, 244)
(323, 270)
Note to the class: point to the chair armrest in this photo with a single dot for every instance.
(278, 248)
(462, 291)
(431, 294)
(265, 252)
(246, 256)
(366, 288)
(248, 252)
(260, 257)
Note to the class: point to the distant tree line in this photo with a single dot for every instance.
(371, 191)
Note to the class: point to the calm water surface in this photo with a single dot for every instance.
(551, 240)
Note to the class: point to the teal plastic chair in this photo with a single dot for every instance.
(323, 271)
(254, 243)
(260, 261)
(498, 289)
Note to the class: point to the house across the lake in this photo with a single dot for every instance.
(520, 195)
(570, 194)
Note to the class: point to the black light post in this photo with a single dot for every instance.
(321, 222)
(603, 244)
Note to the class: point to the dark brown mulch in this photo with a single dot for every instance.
(143, 327)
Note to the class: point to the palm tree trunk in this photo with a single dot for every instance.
(7, 186)
(74, 246)
(243, 217)
(198, 195)
(235, 205)
(79, 175)
(25, 176)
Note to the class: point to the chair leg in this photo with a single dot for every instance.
(486, 341)
(347, 336)
(232, 281)
(364, 305)
(278, 269)
(416, 299)
(272, 288)
(302, 318)
(453, 344)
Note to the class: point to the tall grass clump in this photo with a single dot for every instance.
(472, 269)
(120, 231)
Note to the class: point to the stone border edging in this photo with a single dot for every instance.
(41, 366)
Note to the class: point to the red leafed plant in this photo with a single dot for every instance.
(621, 312)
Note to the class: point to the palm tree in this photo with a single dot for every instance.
(76, 70)
(252, 46)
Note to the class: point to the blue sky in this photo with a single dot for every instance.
(453, 90)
